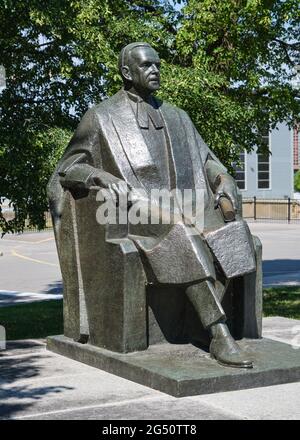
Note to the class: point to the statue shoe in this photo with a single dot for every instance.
(225, 350)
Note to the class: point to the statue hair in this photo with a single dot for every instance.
(124, 57)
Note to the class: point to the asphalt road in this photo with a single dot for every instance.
(281, 252)
(29, 268)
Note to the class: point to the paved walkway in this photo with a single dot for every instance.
(37, 384)
(281, 252)
(29, 268)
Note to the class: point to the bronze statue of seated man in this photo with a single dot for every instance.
(134, 143)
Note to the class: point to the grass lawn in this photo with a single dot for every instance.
(33, 320)
(282, 301)
(41, 319)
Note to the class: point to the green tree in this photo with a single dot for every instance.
(233, 67)
(25, 169)
(60, 57)
(228, 63)
(297, 181)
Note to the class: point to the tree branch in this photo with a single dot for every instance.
(45, 44)
(290, 45)
(286, 46)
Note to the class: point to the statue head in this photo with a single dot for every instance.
(139, 66)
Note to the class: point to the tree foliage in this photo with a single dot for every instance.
(297, 181)
(228, 63)
(240, 55)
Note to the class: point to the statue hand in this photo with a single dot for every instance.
(103, 179)
(117, 188)
(138, 195)
(227, 188)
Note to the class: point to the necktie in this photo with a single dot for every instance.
(146, 111)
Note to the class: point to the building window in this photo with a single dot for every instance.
(296, 148)
(263, 165)
(240, 171)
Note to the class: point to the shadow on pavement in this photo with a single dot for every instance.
(280, 266)
(53, 288)
(13, 368)
(281, 272)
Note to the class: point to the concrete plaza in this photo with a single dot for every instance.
(37, 384)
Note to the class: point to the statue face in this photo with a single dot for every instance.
(144, 69)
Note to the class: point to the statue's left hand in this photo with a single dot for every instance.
(227, 188)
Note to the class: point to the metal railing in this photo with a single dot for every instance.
(281, 210)
(48, 224)
(9, 215)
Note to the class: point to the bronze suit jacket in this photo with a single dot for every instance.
(110, 139)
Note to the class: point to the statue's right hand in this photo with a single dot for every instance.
(103, 179)
(117, 188)
(138, 195)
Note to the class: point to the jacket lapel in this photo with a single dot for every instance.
(132, 154)
(179, 148)
(129, 133)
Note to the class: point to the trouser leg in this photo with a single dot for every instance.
(206, 303)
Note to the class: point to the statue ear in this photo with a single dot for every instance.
(126, 73)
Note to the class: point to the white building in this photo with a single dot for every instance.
(269, 176)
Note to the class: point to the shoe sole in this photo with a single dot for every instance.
(245, 366)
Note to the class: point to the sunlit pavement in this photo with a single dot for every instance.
(29, 268)
(281, 252)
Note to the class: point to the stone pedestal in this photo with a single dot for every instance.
(185, 370)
